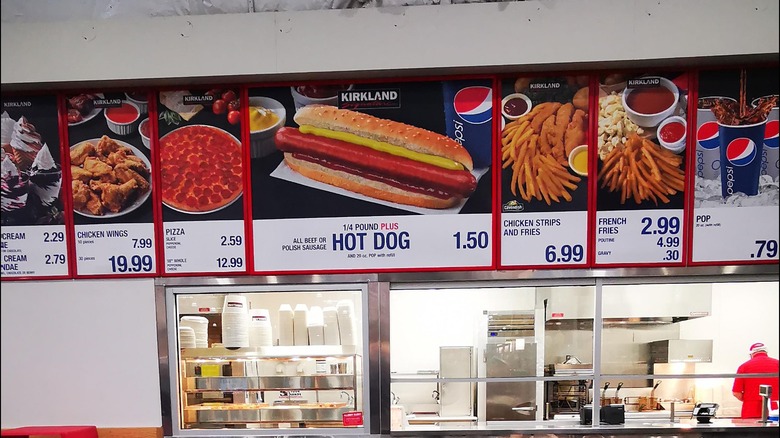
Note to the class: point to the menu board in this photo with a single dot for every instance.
(111, 183)
(735, 208)
(34, 242)
(642, 134)
(372, 176)
(544, 177)
(201, 180)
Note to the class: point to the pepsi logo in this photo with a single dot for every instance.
(707, 135)
(770, 134)
(741, 151)
(474, 104)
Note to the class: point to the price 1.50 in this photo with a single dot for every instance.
(766, 248)
(230, 262)
(564, 254)
(471, 240)
(662, 225)
(136, 263)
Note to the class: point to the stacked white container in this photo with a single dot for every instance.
(286, 325)
(200, 325)
(346, 317)
(260, 328)
(186, 337)
(330, 317)
(235, 322)
(300, 332)
(315, 325)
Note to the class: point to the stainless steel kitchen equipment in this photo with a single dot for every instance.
(511, 352)
(457, 399)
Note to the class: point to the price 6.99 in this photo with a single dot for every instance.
(564, 254)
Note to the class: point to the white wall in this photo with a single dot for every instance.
(79, 352)
(540, 34)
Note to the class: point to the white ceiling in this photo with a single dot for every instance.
(70, 10)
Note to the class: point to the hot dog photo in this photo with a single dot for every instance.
(371, 149)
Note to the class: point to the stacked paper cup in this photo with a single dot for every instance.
(286, 325)
(201, 327)
(260, 328)
(300, 332)
(235, 322)
(346, 317)
(331, 318)
(315, 325)
(186, 337)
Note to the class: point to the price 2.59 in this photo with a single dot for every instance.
(136, 263)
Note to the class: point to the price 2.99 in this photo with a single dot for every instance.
(136, 263)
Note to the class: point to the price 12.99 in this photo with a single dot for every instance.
(230, 262)
(136, 263)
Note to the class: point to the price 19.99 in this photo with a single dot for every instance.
(136, 263)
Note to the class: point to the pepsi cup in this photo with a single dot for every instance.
(468, 111)
(770, 161)
(707, 142)
(740, 158)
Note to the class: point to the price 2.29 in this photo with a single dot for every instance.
(136, 263)
(564, 254)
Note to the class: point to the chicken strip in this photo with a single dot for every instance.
(576, 131)
(546, 110)
(544, 143)
(562, 119)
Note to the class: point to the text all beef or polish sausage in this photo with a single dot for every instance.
(459, 182)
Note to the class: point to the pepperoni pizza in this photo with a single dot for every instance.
(200, 168)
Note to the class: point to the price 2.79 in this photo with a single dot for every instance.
(766, 248)
(136, 263)
(564, 254)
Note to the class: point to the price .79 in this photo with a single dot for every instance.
(766, 248)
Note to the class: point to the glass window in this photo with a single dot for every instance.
(269, 359)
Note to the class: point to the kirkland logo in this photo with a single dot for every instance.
(369, 99)
(204, 98)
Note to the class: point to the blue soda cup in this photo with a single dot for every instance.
(740, 158)
(468, 111)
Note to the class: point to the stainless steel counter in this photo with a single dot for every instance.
(567, 428)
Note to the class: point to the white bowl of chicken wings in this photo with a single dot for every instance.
(109, 177)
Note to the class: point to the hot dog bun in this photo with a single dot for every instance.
(388, 131)
(365, 186)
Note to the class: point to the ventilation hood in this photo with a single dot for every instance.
(681, 350)
(629, 305)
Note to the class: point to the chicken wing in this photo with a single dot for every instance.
(79, 174)
(96, 167)
(81, 152)
(80, 194)
(106, 145)
(115, 197)
(124, 174)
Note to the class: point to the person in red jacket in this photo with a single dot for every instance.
(745, 389)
